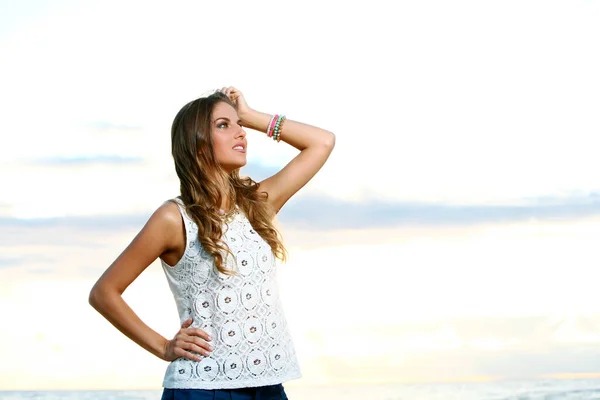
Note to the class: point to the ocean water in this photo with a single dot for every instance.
(576, 389)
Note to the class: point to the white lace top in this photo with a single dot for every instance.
(242, 313)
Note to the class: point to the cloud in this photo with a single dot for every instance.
(451, 349)
(517, 364)
(93, 224)
(258, 172)
(91, 160)
(319, 213)
(11, 261)
(62, 247)
(104, 126)
(32, 263)
(325, 213)
(539, 330)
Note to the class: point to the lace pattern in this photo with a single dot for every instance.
(243, 314)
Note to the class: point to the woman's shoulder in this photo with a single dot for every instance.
(167, 216)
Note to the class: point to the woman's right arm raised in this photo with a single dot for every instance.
(162, 234)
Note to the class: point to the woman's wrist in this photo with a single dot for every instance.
(255, 120)
(163, 350)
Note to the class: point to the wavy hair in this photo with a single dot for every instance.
(199, 176)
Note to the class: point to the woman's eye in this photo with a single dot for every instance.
(222, 125)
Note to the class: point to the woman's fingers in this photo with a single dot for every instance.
(197, 347)
(185, 345)
(198, 332)
(194, 340)
(179, 352)
(186, 330)
(226, 90)
(195, 336)
(187, 323)
(191, 348)
(230, 92)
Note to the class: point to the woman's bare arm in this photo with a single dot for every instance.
(315, 145)
(162, 234)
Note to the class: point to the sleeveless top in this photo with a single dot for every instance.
(242, 313)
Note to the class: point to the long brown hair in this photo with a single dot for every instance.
(199, 176)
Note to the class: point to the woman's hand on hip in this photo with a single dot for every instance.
(190, 343)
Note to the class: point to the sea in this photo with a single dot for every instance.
(551, 389)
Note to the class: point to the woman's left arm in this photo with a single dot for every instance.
(315, 145)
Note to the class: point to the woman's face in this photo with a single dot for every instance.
(229, 138)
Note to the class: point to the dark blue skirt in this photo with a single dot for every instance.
(274, 392)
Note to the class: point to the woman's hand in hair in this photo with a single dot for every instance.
(188, 343)
(238, 100)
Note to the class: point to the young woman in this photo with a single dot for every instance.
(217, 245)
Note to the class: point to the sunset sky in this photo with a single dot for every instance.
(453, 235)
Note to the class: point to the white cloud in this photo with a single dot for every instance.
(458, 102)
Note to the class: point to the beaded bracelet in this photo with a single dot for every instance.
(278, 127)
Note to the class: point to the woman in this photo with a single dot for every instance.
(217, 245)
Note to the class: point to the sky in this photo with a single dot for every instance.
(451, 236)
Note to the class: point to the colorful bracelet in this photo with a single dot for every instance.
(278, 127)
(275, 126)
(271, 130)
(271, 125)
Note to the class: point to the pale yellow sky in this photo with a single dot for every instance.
(459, 209)
(382, 305)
